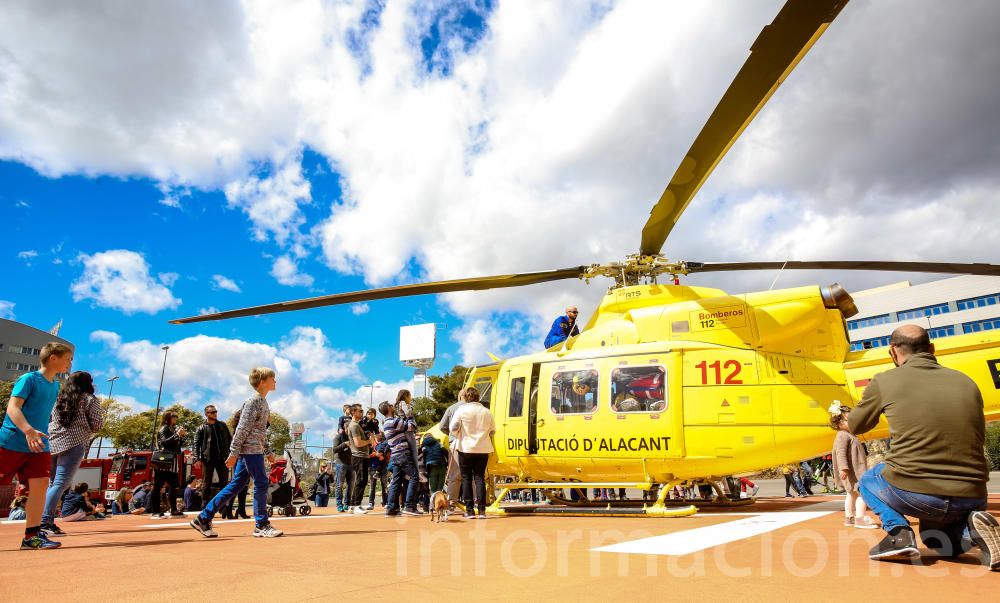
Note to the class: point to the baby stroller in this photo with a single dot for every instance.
(283, 491)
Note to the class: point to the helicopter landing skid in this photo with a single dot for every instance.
(698, 502)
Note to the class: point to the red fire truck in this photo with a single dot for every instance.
(131, 468)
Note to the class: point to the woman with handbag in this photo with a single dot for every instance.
(169, 469)
(75, 419)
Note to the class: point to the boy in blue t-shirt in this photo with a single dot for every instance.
(24, 450)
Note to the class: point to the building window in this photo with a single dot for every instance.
(867, 344)
(981, 325)
(979, 302)
(871, 321)
(922, 312)
(21, 366)
(941, 332)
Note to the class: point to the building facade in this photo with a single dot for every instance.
(20, 345)
(952, 306)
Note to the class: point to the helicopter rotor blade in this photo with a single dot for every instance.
(777, 50)
(465, 284)
(933, 267)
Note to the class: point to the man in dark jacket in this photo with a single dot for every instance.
(563, 328)
(342, 471)
(936, 470)
(211, 448)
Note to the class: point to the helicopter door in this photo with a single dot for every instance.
(518, 411)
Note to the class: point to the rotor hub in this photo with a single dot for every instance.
(637, 269)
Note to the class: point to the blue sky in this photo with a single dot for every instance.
(191, 156)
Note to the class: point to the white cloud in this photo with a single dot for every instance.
(286, 272)
(172, 195)
(6, 309)
(308, 348)
(108, 338)
(359, 309)
(28, 255)
(120, 279)
(203, 369)
(168, 278)
(222, 282)
(133, 404)
(544, 145)
(272, 203)
(208, 310)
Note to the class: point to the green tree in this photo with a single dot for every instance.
(136, 430)
(5, 388)
(114, 413)
(278, 434)
(427, 412)
(447, 386)
(993, 445)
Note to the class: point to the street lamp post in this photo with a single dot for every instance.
(371, 394)
(156, 416)
(111, 390)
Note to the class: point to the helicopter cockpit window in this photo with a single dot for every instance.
(638, 389)
(574, 392)
(516, 406)
(485, 388)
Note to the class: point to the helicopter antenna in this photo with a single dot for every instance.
(777, 276)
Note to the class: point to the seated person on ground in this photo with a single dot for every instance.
(76, 506)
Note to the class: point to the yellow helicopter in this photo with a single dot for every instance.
(669, 384)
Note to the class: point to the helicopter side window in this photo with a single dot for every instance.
(638, 389)
(485, 388)
(516, 406)
(574, 392)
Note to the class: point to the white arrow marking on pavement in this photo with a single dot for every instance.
(699, 539)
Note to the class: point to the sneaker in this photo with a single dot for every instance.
(204, 527)
(412, 512)
(176, 514)
(157, 516)
(985, 532)
(898, 545)
(392, 513)
(755, 490)
(51, 529)
(468, 515)
(848, 522)
(267, 531)
(39, 542)
(370, 506)
(340, 508)
(359, 511)
(865, 523)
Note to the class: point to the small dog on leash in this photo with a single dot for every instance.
(439, 506)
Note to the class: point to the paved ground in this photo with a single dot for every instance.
(779, 549)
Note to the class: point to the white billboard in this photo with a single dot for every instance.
(417, 342)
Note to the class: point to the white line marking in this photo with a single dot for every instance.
(228, 521)
(699, 539)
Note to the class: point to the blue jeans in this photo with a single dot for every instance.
(342, 481)
(322, 500)
(943, 519)
(400, 469)
(64, 466)
(247, 467)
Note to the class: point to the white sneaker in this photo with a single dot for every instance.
(865, 523)
(369, 506)
(359, 511)
(267, 531)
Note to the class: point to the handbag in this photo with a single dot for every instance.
(163, 460)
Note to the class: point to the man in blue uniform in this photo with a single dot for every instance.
(563, 328)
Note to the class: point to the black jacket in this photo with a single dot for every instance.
(342, 449)
(203, 441)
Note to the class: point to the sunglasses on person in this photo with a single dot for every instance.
(211, 412)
